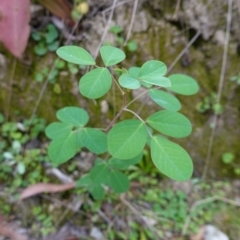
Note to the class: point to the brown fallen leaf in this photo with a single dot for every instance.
(45, 187)
(8, 230)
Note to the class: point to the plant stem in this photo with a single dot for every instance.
(122, 92)
(118, 114)
(135, 114)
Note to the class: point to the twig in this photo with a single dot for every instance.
(136, 212)
(117, 5)
(238, 5)
(184, 50)
(220, 89)
(176, 9)
(106, 28)
(201, 202)
(132, 21)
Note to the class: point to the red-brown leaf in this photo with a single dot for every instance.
(7, 230)
(45, 187)
(14, 27)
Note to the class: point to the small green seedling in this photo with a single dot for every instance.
(47, 40)
(210, 103)
(229, 158)
(121, 143)
(236, 78)
(132, 45)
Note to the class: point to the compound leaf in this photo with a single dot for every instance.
(58, 130)
(165, 100)
(118, 182)
(94, 140)
(75, 54)
(127, 139)
(127, 81)
(62, 149)
(183, 84)
(171, 159)
(111, 55)
(78, 117)
(170, 123)
(95, 83)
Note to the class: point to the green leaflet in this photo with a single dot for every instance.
(165, 100)
(58, 130)
(93, 187)
(111, 55)
(99, 173)
(95, 83)
(127, 81)
(183, 84)
(78, 117)
(170, 123)
(75, 54)
(63, 148)
(118, 181)
(134, 71)
(171, 159)
(127, 139)
(94, 140)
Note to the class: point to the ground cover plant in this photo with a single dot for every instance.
(121, 143)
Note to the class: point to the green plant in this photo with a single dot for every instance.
(229, 158)
(124, 141)
(118, 32)
(47, 40)
(210, 103)
(43, 223)
(236, 78)
(17, 162)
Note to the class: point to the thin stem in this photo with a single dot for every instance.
(122, 92)
(204, 201)
(132, 21)
(118, 114)
(106, 28)
(117, 5)
(184, 51)
(220, 88)
(139, 214)
(135, 114)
